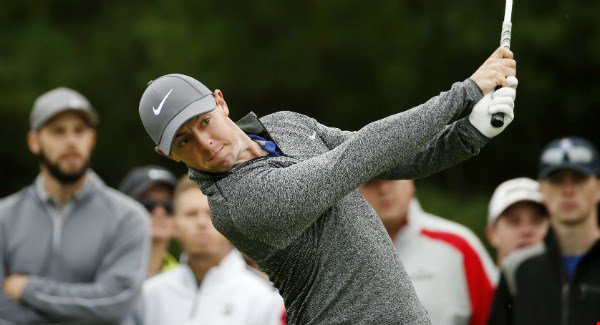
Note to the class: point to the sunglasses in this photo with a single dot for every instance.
(150, 205)
(576, 154)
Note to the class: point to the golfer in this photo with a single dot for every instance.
(283, 188)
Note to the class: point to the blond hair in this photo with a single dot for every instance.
(184, 184)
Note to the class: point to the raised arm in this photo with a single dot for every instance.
(294, 195)
(457, 142)
(464, 138)
(454, 144)
(281, 200)
(111, 296)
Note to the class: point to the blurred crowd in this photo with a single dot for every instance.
(73, 250)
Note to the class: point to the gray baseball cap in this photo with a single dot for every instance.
(57, 101)
(169, 102)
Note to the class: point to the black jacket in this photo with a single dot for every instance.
(534, 288)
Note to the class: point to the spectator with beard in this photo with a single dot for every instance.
(71, 249)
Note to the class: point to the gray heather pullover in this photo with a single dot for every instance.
(301, 218)
(85, 266)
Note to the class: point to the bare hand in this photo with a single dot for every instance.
(14, 285)
(494, 71)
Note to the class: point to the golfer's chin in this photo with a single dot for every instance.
(215, 166)
(223, 168)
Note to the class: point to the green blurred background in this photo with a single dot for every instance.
(345, 63)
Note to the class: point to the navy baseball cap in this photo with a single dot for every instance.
(169, 102)
(569, 153)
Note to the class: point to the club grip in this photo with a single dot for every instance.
(506, 34)
(497, 120)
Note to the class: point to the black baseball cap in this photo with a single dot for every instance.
(569, 153)
(140, 179)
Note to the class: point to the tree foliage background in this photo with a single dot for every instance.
(345, 63)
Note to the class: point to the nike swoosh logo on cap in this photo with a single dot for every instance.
(157, 110)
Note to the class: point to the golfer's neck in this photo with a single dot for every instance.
(250, 149)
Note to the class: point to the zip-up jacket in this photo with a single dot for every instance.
(452, 273)
(534, 287)
(302, 219)
(85, 266)
(229, 294)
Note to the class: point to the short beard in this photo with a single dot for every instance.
(62, 177)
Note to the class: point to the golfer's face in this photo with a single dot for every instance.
(207, 142)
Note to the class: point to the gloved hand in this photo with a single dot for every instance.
(496, 101)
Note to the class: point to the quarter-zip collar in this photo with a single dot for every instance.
(231, 263)
(214, 279)
(57, 212)
(44, 196)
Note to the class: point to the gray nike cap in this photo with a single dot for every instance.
(169, 102)
(57, 101)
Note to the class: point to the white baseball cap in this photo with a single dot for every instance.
(516, 190)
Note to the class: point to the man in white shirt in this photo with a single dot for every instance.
(452, 273)
(214, 285)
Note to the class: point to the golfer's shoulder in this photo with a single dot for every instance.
(282, 117)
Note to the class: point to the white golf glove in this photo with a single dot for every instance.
(496, 101)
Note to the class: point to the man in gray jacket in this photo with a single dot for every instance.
(72, 250)
(283, 189)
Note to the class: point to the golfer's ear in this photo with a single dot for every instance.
(221, 101)
(162, 153)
